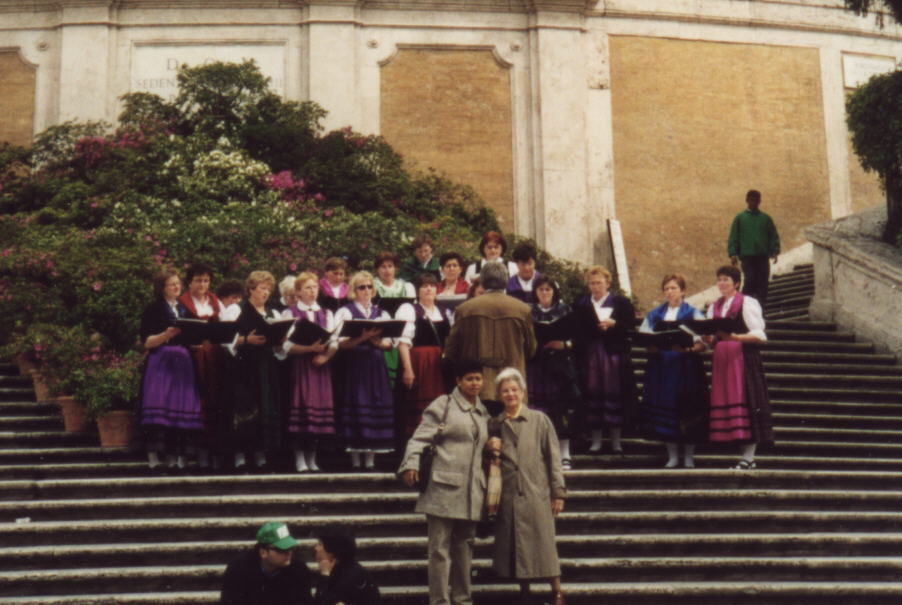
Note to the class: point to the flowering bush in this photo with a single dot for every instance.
(228, 174)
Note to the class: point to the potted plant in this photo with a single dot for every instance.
(109, 388)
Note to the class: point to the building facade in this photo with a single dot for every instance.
(561, 113)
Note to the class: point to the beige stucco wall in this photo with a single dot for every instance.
(696, 124)
(450, 109)
(17, 99)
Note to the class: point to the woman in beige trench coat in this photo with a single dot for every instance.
(454, 497)
(532, 492)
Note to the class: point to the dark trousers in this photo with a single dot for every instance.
(756, 274)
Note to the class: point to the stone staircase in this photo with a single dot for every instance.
(820, 521)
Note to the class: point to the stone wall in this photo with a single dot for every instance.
(697, 124)
(17, 100)
(858, 279)
(450, 108)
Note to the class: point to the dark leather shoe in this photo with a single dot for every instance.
(559, 598)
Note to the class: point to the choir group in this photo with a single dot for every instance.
(231, 379)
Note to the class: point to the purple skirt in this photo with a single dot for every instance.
(169, 395)
(311, 415)
(604, 394)
(368, 414)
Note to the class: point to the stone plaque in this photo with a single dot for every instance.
(154, 67)
(858, 69)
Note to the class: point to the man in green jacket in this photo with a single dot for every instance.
(754, 241)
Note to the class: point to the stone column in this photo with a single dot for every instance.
(559, 100)
(836, 132)
(85, 58)
(332, 49)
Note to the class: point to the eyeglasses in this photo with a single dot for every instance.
(365, 287)
(280, 551)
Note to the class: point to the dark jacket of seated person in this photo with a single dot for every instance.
(348, 583)
(246, 582)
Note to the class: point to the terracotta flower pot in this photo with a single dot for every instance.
(115, 428)
(41, 389)
(74, 413)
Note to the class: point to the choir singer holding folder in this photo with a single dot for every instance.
(675, 393)
(311, 415)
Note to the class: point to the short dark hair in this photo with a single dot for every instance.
(678, 278)
(336, 262)
(159, 281)
(546, 280)
(384, 257)
(444, 258)
(424, 279)
(420, 241)
(198, 269)
(230, 287)
(492, 236)
(731, 272)
(338, 542)
(753, 194)
(524, 252)
(466, 366)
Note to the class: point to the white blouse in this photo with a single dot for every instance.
(407, 313)
(751, 315)
(473, 269)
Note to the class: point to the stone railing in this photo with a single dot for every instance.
(858, 278)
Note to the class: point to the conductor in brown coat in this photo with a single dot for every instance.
(494, 329)
(532, 491)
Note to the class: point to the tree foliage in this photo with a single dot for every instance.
(880, 7)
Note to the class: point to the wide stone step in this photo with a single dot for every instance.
(806, 335)
(776, 366)
(823, 357)
(653, 593)
(838, 421)
(43, 439)
(334, 484)
(57, 455)
(799, 313)
(16, 393)
(412, 572)
(839, 408)
(15, 381)
(75, 470)
(148, 541)
(28, 408)
(788, 324)
(862, 394)
(280, 505)
(29, 423)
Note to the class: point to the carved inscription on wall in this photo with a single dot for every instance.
(155, 66)
(449, 108)
(17, 100)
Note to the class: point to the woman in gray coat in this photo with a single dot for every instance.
(532, 491)
(453, 499)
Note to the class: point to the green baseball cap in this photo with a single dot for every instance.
(276, 534)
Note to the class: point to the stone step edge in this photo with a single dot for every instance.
(747, 495)
(600, 589)
(414, 519)
(174, 571)
(390, 478)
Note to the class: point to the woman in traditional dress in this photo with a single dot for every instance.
(675, 393)
(422, 261)
(532, 492)
(452, 284)
(256, 399)
(367, 412)
(551, 374)
(602, 321)
(389, 286)
(333, 287)
(311, 415)
(171, 415)
(492, 247)
(420, 349)
(200, 303)
(740, 405)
